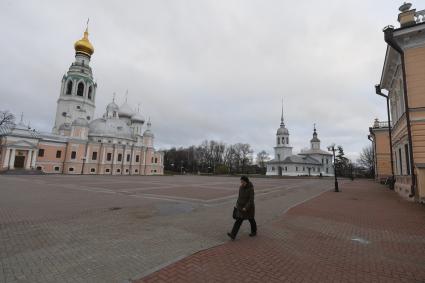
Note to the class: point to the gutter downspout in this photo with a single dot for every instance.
(379, 92)
(64, 160)
(84, 158)
(389, 39)
(375, 161)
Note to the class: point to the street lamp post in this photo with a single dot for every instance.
(332, 148)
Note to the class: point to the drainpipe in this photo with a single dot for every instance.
(379, 92)
(389, 39)
(84, 158)
(369, 137)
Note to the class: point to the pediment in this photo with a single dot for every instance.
(22, 144)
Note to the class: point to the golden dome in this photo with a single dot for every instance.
(83, 45)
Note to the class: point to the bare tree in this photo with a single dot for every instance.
(367, 160)
(262, 158)
(6, 118)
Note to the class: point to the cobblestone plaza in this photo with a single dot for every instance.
(120, 228)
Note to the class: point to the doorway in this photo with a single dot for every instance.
(19, 161)
(280, 171)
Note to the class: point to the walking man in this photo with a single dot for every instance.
(245, 208)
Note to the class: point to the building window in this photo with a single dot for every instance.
(406, 152)
(88, 118)
(278, 140)
(92, 170)
(156, 160)
(126, 170)
(107, 170)
(56, 168)
(119, 157)
(90, 92)
(137, 158)
(80, 89)
(278, 157)
(94, 155)
(128, 157)
(109, 156)
(327, 161)
(58, 154)
(99, 140)
(39, 168)
(327, 170)
(303, 168)
(71, 169)
(41, 152)
(118, 170)
(73, 154)
(78, 107)
(286, 168)
(296, 168)
(69, 88)
(64, 114)
(137, 171)
(400, 162)
(152, 160)
(272, 168)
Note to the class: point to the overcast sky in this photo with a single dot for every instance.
(208, 69)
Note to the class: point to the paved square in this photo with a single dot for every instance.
(117, 228)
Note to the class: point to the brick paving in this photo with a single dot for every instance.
(66, 228)
(365, 233)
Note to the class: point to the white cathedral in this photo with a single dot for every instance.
(311, 162)
(114, 144)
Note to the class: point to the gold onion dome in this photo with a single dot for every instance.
(83, 45)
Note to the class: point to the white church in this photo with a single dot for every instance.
(311, 162)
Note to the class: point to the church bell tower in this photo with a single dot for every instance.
(78, 90)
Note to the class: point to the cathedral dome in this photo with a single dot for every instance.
(113, 128)
(282, 131)
(125, 111)
(112, 107)
(83, 45)
(137, 118)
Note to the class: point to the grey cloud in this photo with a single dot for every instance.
(208, 69)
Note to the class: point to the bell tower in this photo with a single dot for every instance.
(78, 90)
(282, 148)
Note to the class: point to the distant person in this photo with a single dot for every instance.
(245, 208)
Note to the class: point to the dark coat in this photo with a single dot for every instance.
(246, 200)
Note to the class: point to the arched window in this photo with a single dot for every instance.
(278, 140)
(80, 89)
(90, 92)
(69, 87)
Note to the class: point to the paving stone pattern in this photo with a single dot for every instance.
(117, 228)
(365, 233)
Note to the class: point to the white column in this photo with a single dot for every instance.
(28, 161)
(12, 159)
(6, 157)
(34, 158)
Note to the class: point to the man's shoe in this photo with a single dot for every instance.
(253, 234)
(231, 236)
